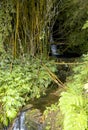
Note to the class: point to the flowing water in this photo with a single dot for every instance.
(51, 97)
(20, 124)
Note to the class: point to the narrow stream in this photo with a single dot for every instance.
(52, 96)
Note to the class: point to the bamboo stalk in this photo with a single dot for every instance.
(35, 17)
(63, 63)
(16, 32)
(54, 77)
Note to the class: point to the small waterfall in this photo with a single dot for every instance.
(54, 50)
(20, 122)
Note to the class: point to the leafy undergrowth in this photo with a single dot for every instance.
(20, 81)
(53, 118)
(71, 112)
(74, 102)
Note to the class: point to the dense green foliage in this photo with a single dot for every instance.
(24, 28)
(68, 28)
(71, 111)
(21, 81)
(20, 32)
(74, 102)
(6, 10)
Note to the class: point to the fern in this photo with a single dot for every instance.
(73, 108)
(75, 121)
(74, 103)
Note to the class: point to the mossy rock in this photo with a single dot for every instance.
(33, 119)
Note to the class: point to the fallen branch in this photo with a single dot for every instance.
(63, 63)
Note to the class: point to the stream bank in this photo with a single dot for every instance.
(33, 117)
(53, 120)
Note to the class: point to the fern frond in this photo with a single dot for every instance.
(72, 106)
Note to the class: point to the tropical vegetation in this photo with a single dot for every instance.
(27, 29)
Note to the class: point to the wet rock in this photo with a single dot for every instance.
(27, 107)
(34, 120)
